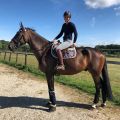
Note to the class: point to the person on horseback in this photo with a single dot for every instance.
(68, 28)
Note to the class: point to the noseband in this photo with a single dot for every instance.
(18, 42)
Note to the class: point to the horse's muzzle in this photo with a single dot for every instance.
(10, 47)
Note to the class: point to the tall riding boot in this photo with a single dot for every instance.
(60, 57)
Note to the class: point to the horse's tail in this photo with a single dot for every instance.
(106, 82)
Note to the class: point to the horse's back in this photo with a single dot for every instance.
(90, 52)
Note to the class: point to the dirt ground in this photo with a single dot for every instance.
(23, 97)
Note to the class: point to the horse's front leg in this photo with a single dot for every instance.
(52, 102)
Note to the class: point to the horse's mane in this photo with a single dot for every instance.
(30, 29)
(33, 30)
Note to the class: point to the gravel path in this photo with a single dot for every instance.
(23, 97)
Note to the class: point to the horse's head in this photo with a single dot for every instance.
(20, 38)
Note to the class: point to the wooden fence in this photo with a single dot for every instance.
(26, 57)
(111, 52)
(25, 54)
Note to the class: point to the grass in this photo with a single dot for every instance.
(82, 81)
(31, 60)
(113, 59)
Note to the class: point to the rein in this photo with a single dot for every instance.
(43, 56)
(43, 49)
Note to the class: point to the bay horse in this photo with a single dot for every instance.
(93, 61)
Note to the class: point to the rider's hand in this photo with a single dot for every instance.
(74, 44)
(54, 41)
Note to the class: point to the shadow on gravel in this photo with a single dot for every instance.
(35, 103)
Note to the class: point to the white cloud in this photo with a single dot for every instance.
(117, 8)
(93, 22)
(117, 11)
(101, 3)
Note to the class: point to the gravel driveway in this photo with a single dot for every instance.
(23, 97)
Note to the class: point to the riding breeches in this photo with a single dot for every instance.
(65, 45)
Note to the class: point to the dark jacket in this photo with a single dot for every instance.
(68, 29)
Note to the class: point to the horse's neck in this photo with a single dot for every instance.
(37, 44)
(36, 41)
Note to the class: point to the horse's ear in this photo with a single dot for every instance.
(22, 27)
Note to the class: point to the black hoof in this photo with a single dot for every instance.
(103, 105)
(52, 108)
(48, 104)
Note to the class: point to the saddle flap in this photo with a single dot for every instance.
(67, 53)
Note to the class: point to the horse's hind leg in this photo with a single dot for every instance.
(97, 87)
(104, 94)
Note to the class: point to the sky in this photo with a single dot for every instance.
(97, 21)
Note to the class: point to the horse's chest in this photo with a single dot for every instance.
(42, 67)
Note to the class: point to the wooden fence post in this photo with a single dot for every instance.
(10, 56)
(25, 59)
(5, 56)
(16, 58)
(0, 55)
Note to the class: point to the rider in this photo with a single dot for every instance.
(67, 28)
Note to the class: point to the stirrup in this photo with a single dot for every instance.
(60, 67)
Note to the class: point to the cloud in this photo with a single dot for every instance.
(93, 22)
(117, 8)
(101, 3)
(117, 11)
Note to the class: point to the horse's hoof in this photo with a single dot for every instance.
(52, 108)
(48, 104)
(94, 106)
(103, 105)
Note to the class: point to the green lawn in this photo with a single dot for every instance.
(113, 59)
(31, 60)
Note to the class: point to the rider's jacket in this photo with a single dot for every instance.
(68, 29)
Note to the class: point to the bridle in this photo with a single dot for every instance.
(18, 42)
(22, 40)
(45, 47)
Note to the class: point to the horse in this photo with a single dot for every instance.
(92, 60)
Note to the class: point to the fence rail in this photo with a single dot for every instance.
(8, 54)
(26, 54)
(17, 54)
(118, 50)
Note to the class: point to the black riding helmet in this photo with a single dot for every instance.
(67, 13)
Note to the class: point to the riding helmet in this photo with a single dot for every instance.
(67, 13)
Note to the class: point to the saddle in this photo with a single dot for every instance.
(68, 53)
